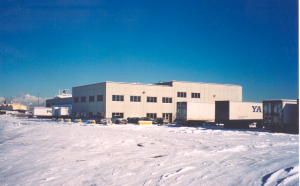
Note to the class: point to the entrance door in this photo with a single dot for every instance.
(168, 116)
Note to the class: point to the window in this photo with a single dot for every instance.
(90, 114)
(91, 98)
(118, 98)
(181, 94)
(48, 105)
(151, 115)
(117, 115)
(166, 100)
(151, 99)
(100, 114)
(195, 95)
(135, 98)
(76, 114)
(83, 99)
(53, 103)
(99, 97)
(76, 99)
(83, 115)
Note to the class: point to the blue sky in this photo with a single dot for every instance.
(55, 44)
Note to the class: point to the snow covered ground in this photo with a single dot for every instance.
(44, 152)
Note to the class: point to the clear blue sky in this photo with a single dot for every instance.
(58, 44)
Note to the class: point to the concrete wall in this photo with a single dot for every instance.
(87, 107)
(139, 109)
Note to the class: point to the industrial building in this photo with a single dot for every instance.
(13, 107)
(61, 106)
(111, 99)
(61, 99)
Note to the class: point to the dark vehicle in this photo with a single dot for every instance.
(133, 120)
(118, 120)
(162, 120)
(98, 119)
(149, 119)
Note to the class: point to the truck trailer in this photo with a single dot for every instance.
(62, 111)
(195, 114)
(238, 115)
(45, 112)
(281, 115)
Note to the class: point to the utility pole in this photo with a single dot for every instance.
(38, 99)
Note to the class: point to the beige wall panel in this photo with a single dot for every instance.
(206, 93)
(136, 87)
(108, 91)
(127, 92)
(134, 114)
(167, 92)
(118, 109)
(118, 104)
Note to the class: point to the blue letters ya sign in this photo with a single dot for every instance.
(256, 108)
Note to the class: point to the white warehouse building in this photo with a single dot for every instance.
(111, 99)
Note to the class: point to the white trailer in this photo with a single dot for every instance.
(61, 110)
(281, 115)
(237, 115)
(42, 111)
(192, 113)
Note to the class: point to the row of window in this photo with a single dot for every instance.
(167, 100)
(151, 115)
(152, 99)
(118, 98)
(183, 95)
(91, 98)
(135, 98)
(83, 114)
(195, 95)
(114, 114)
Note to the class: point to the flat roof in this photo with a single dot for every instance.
(62, 105)
(157, 84)
(292, 100)
(201, 83)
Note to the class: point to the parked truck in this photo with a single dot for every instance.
(238, 115)
(194, 113)
(45, 112)
(281, 115)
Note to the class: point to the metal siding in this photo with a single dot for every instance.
(290, 112)
(245, 110)
(200, 111)
(42, 111)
